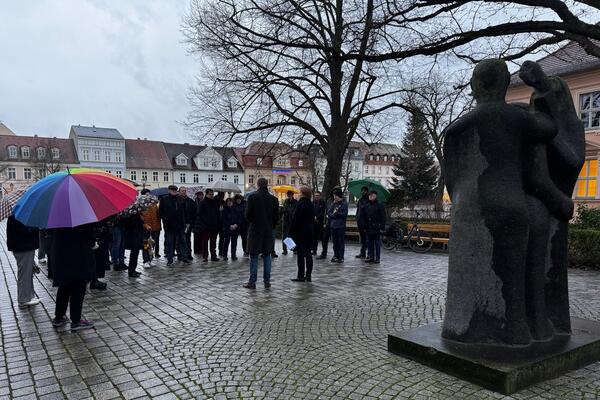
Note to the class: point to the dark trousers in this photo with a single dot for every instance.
(364, 242)
(230, 237)
(156, 238)
(317, 235)
(338, 239)
(325, 240)
(285, 232)
(173, 238)
(209, 236)
(70, 295)
(374, 241)
(244, 235)
(221, 252)
(197, 243)
(133, 260)
(304, 259)
(188, 244)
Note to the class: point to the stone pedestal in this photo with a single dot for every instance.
(500, 368)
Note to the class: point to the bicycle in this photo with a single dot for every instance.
(418, 240)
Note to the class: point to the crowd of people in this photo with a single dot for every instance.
(81, 255)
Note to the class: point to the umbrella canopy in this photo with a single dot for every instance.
(140, 204)
(248, 194)
(71, 198)
(163, 191)
(355, 187)
(222, 186)
(8, 202)
(285, 189)
(192, 190)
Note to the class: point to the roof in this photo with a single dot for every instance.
(567, 60)
(68, 155)
(5, 131)
(227, 153)
(96, 132)
(267, 149)
(382, 149)
(146, 154)
(592, 139)
(189, 150)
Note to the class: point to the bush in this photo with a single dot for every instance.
(584, 247)
(587, 218)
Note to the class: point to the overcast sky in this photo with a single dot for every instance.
(118, 64)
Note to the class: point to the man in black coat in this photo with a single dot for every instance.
(207, 223)
(373, 220)
(262, 211)
(301, 231)
(362, 230)
(190, 220)
(320, 211)
(240, 204)
(197, 235)
(172, 212)
(23, 241)
(289, 207)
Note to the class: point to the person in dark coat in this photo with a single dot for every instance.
(172, 212)
(101, 254)
(23, 241)
(320, 211)
(289, 207)
(362, 230)
(301, 231)
(220, 200)
(207, 223)
(262, 211)
(190, 220)
(231, 220)
(73, 265)
(197, 235)
(118, 245)
(240, 204)
(337, 215)
(134, 241)
(373, 220)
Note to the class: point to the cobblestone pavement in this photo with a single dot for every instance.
(194, 332)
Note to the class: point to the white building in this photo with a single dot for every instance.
(379, 162)
(148, 164)
(101, 148)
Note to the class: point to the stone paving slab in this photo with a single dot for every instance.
(193, 332)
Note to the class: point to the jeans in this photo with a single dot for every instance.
(338, 239)
(209, 238)
(156, 238)
(325, 240)
(72, 294)
(364, 242)
(42, 249)
(172, 238)
(317, 235)
(244, 235)
(254, 268)
(230, 236)
(25, 262)
(188, 244)
(304, 259)
(374, 241)
(118, 246)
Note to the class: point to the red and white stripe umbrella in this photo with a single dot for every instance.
(8, 202)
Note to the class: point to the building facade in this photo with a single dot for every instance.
(582, 73)
(147, 164)
(100, 148)
(379, 162)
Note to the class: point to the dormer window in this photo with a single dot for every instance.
(55, 153)
(281, 162)
(393, 158)
(181, 160)
(232, 163)
(385, 158)
(371, 157)
(301, 163)
(41, 152)
(25, 152)
(12, 151)
(355, 153)
(259, 160)
(378, 157)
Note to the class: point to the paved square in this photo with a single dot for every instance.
(194, 332)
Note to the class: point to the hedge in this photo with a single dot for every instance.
(584, 248)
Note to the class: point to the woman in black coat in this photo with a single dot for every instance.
(101, 254)
(71, 254)
(231, 220)
(301, 231)
(134, 240)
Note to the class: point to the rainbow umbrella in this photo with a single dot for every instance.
(74, 197)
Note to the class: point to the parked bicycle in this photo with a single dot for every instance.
(418, 240)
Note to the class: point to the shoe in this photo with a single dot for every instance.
(334, 259)
(36, 269)
(42, 260)
(120, 267)
(98, 285)
(250, 285)
(246, 254)
(170, 263)
(376, 262)
(339, 260)
(297, 279)
(308, 279)
(234, 258)
(157, 256)
(322, 257)
(284, 253)
(369, 260)
(30, 303)
(214, 259)
(58, 322)
(205, 259)
(135, 274)
(186, 262)
(147, 265)
(274, 255)
(267, 285)
(190, 259)
(359, 256)
(81, 325)
(225, 258)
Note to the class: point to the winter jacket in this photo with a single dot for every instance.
(242, 210)
(71, 254)
(133, 233)
(289, 206)
(20, 238)
(207, 216)
(301, 228)
(151, 217)
(231, 216)
(373, 217)
(320, 210)
(262, 211)
(362, 202)
(190, 211)
(337, 214)
(172, 212)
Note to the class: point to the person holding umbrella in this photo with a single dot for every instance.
(23, 242)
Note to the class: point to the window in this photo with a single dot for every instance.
(355, 167)
(251, 179)
(12, 151)
(378, 170)
(144, 176)
(586, 183)
(377, 158)
(210, 178)
(108, 171)
(196, 178)
(355, 153)
(133, 175)
(366, 169)
(269, 180)
(590, 109)
(27, 174)
(181, 160)
(11, 173)
(118, 156)
(41, 152)
(25, 152)
(118, 173)
(371, 157)
(281, 180)
(232, 163)
(155, 176)
(293, 180)
(393, 158)
(96, 155)
(236, 179)
(86, 155)
(165, 177)
(55, 153)
(224, 178)
(385, 158)
(387, 170)
(259, 160)
(281, 162)
(106, 155)
(301, 163)
(182, 177)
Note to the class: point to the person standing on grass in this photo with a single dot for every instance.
(337, 215)
(301, 231)
(73, 263)
(373, 219)
(23, 241)
(262, 211)
(231, 220)
(172, 213)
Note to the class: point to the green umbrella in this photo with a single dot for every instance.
(356, 186)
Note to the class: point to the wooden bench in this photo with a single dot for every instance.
(439, 229)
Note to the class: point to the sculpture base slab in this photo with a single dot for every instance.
(503, 369)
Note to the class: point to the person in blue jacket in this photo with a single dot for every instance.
(231, 220)
(337, 215)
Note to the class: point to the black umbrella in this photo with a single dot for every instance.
(163, 191)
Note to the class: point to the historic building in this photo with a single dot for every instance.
(101, 148)
(352, 164)
(147, 163)
(379, 162)
(582, 73)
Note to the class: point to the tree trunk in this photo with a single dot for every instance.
(333, 170)
(439, 190)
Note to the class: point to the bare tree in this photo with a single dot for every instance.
(43, 161)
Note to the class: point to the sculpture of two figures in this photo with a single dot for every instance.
(511, 170)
